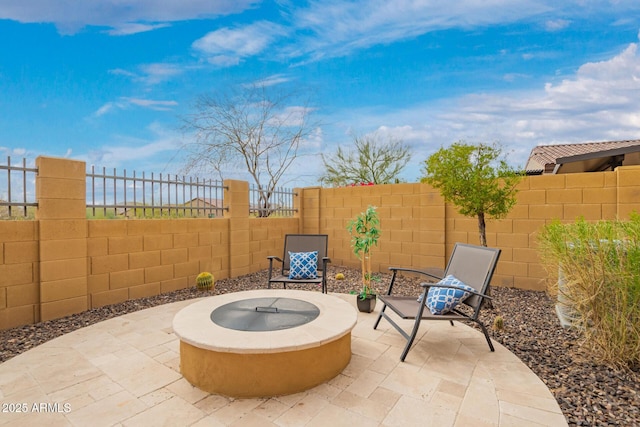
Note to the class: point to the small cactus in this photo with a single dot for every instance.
(339, 276)
(498, 323)
(204, 281)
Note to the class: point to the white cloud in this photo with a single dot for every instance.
(140, 154)
(133, 28)
(228, 45)
(152, 104)
(290, 116)
(159, 72)
(511, 77)
(556, 24)
(329, 28)
(16, 151)
(600, 102)
(153, 74)
(70, 16)
(276, 79)
(106, 108)
(223, 61)
(125, 103)
(121, 72)
(313, 142)
(338, 27)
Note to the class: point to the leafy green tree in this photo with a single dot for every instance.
(475, 178)
(372, 160)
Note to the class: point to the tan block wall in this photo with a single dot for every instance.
(266, 238)
(61, 263)
(61, 214)
(419, 230)
(412, 220)
(19, 273)
(143, 257)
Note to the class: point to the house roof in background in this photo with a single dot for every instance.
(551, 158)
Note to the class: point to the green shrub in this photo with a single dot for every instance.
(600, 265)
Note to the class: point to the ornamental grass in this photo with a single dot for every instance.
(598, 266)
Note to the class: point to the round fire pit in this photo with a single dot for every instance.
(265, 342)
(264, 314)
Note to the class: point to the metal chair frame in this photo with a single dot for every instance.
(474, 265)
(301, 243)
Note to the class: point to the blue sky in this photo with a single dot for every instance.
(108, 81)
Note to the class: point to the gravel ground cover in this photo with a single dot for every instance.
(588, 392)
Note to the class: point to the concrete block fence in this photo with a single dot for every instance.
(63, 263)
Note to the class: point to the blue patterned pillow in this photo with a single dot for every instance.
(443, 300)
(303, 265)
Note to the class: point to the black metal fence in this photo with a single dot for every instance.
(112, 195)
(17, 190)
(277, 202)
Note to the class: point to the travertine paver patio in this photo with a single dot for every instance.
(125, 371)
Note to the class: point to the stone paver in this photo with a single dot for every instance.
(125, 371)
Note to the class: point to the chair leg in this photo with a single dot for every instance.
(486, 335)
(414, 332)
(375, 326)
(393, 279)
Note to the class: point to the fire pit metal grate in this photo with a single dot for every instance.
(264, 314)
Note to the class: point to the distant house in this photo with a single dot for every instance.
(584, 157)
(201, 202)
(210, 207)
(195, 207)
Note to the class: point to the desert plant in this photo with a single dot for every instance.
(498, 323)
(204, 281)
(371, 159)
(365, 232)
(600, 268)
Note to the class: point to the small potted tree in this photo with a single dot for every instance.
(365, 232)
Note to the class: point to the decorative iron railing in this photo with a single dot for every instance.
(110, 194)
(113, 194)
(17, 190)
(278, 202)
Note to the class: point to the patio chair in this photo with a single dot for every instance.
(473, 265)
(304, 267)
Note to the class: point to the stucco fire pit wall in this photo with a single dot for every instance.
(242, 363)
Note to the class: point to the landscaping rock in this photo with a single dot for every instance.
(588, 392)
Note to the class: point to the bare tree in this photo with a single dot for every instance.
(253, 128)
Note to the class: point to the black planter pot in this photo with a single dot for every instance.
(367, 304)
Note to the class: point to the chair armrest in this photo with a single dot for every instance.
(325, 260)
(431, 272)
(427, 272)
(271, 258)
